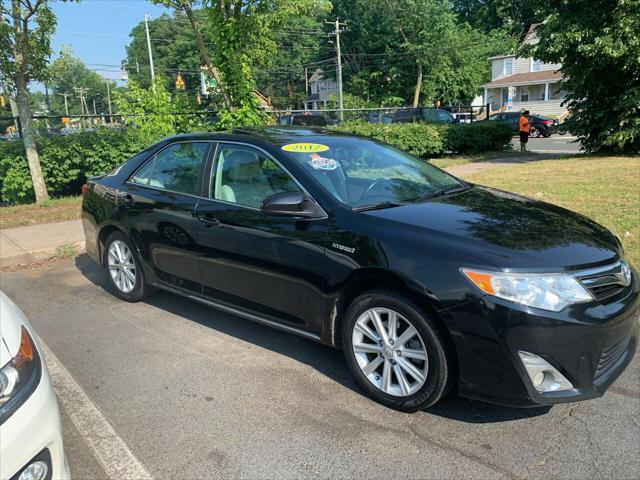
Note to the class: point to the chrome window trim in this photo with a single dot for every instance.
(153, 159)
(270, 157)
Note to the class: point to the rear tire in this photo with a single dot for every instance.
(377, 360)
(124, 269)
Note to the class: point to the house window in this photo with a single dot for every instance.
(524, 94)
(508, 66)
(535, 65)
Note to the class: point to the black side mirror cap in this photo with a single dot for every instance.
(291, 204)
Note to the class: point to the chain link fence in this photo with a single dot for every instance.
(10, 127)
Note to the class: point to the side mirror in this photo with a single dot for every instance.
(290, 204)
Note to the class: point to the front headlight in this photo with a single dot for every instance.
(548, 291)
(20, 377)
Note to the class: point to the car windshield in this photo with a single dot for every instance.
(362, 173)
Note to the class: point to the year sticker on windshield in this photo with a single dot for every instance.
(305, 147)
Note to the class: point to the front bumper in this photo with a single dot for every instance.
(32, 430)
(590, 344)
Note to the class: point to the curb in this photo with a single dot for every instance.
(28, 258)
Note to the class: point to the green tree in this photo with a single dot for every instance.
(512, 16)
(68, 72)
(26, 27)
(155, 112)
(299, 43)
(450, 57)
(597, 42)
(242, 38)
(174, 50)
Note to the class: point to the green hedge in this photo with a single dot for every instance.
(419, 139)
(66, 161)
(478, 137)
(428, 140)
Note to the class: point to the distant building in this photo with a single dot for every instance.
(321, 87)
(525, 83)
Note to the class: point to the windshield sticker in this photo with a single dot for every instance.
(305, 147)
(320, 163)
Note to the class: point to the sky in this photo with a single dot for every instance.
(98, 30)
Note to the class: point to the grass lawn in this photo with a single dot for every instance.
(55, 210)
(453, 160)
(605, 189)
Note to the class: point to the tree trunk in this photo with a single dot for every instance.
(204, 56)
(416, 94)
(29, 139)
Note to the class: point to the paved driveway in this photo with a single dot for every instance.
(195, 393)
(553, 144)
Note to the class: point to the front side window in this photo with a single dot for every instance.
(360, 172)
(176, 168)
(245, 176)
(535, 65)
(508, 66)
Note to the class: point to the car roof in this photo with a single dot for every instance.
(276, 135)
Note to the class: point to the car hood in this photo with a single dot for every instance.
(11, 321)
(503, 230)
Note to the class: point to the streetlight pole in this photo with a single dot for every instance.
(146, 28)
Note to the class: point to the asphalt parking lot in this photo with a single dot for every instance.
(195, 393)
(553, 144)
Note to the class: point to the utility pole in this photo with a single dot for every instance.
(146, 28)
(336, 24)
(81, 92)
(306, 82)
(66, 106)
(109, 98)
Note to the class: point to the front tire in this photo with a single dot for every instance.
(123, 268)
(398, 354)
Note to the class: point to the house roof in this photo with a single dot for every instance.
(528, 78)
(532, 35)
(319, 75)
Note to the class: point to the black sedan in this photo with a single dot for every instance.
(427, 283)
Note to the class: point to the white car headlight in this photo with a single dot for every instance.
(548, 291)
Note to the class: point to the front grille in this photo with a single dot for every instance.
(605, 291)
(606, 282)
(610, 356)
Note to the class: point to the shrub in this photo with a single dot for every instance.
(66, 161)
(478, 137)
(419, 139)
(427, 140)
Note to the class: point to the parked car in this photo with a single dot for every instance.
(377, 117)
(424, 280)
(423, 114)
(308, 119)
(543, 126)
(30, 430)
(462, 117)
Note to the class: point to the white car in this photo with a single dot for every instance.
(30, 429)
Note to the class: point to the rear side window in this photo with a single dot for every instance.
(176, 168)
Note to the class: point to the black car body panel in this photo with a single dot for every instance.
(299, 274)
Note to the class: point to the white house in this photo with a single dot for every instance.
(321, 88)
(525, 83)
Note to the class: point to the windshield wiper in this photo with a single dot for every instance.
(376, 206)
(441, 193)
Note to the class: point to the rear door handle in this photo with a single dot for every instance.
(208, 221)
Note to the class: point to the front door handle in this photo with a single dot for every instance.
(208, 221)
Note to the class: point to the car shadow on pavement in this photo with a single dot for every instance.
(324, 359)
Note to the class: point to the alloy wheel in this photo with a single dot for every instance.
(390, 352)
(122, 266)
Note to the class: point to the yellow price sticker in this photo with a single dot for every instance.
(305, 147)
